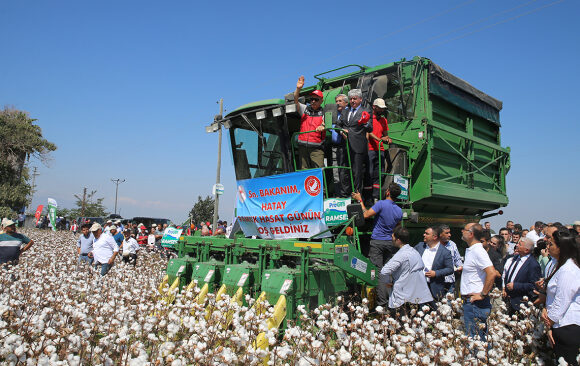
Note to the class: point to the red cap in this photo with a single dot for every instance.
(317, 93)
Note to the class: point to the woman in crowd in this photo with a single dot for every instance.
(562, 311)
(541, 254)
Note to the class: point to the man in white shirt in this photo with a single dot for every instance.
(477, 280)
(405, 273)
(437, 260)
(536, 234)
(105, 249)
(520, 275)
(129, 248)
(445, 240)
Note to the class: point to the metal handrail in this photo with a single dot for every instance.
(293, 141)
(362, 68)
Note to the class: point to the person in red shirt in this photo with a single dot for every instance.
(376, 149)
(310, 143)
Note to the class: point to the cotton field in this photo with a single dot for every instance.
(54, 312)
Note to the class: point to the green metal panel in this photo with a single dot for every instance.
(244, 275)
(180, 267)
(208, 272)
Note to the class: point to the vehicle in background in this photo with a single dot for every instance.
(81, 220)
(148, 221)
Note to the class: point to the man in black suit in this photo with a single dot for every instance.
(356, 121)
(437, 260)
(520, 275)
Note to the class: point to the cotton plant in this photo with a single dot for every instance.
(59, 313)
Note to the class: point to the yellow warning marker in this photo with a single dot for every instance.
(162, 284)
(259, 304)
(370, 294)
(222, 291)
(200, 298)
(170, 295)
(190, 286)
(237, 298)
(273, 322)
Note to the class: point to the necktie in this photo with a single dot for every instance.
(513, 268)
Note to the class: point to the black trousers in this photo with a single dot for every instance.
(359, 171)
(567, 343)
(131, 258)
(380, 252)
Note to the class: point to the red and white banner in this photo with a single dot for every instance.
(38, 213)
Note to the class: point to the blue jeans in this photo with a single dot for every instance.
(105, 267)
(85, 258)
(474, 314)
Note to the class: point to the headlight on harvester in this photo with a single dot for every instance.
(290, 108)
(260, 115)
(277, 112)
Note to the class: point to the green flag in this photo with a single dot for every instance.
(52, 212)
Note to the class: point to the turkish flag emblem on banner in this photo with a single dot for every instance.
(38, 213)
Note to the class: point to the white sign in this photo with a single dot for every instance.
(243, 279)
(208, 276)
(404, 184)
(285, 286)
(170, 236)
(218, 189)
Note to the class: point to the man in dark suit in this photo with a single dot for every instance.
(356, 121)
(520, 274)
(437, 260)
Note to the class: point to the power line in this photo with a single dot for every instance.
(481, 20)
(494, 24)
(407, 27)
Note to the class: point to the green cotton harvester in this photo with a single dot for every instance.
(293, 242)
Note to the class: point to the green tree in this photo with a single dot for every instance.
(202, 210)
(20, 140)
(89, 206)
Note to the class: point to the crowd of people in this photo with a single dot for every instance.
(540, 265)
(365, 129)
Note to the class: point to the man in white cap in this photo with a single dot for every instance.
(576, 226)
(105, 249)
(378, 138)
(107, 227)
(11, 243)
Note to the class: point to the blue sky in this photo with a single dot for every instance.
(125, 88)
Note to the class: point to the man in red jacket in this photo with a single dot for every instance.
(376, 148)
(312, 119)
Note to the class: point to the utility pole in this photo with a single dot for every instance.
(33, 188)
(219, 164)
(83, 203)
(117, 182)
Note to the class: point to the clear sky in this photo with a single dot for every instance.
(125, 88)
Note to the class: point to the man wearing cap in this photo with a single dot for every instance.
(116, 234)
(356, 121)
(85, 244)
(576, 226)
(11, 243)
(376, 148)
(105, 249)
(312, 119)
(107, 226)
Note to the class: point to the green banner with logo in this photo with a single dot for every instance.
(52, 206)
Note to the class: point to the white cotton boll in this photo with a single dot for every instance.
(344, 355)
